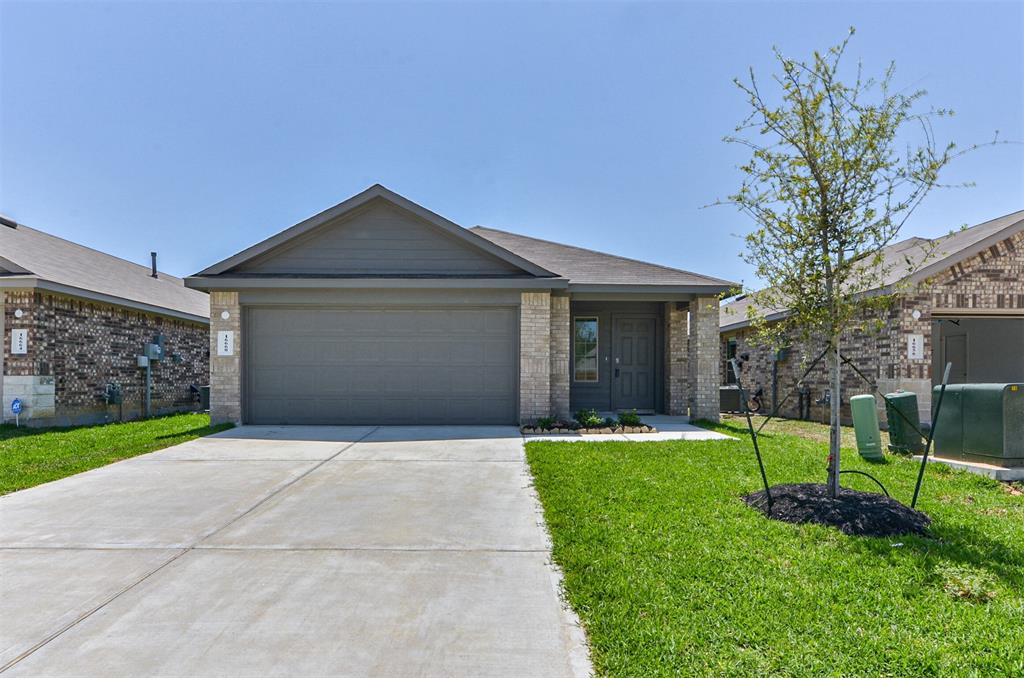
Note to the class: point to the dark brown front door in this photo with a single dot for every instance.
(633, 368)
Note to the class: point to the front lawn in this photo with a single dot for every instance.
(31, 456)
(811, 430)
(673, 575)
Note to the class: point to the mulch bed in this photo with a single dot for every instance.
(853, 512)
(564, 430)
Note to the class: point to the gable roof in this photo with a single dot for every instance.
(591, 270)
(375, 192)
(32, 258)
(944, 251)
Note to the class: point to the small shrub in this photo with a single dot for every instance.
(630, 419)
(588, 418)
(546, 423)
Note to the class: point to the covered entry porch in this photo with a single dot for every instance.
(652, 354)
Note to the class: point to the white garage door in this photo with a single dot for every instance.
(323, 365)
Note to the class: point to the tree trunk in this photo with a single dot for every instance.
(835, 432)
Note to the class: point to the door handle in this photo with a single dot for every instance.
(616, 372)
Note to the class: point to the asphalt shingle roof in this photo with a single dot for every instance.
(584, 266)
(30, 253)
(906, 258)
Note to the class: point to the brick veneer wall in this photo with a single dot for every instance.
(76, 347)
(534, 356)
(677, 360)
(870, 352)
(703, 358)
(225, 371)
(991, 279)
(561, 333)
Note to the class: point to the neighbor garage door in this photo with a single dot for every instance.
(381, 366)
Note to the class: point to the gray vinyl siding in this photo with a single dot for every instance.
(597, 395)
(381, 365)
(378, 239)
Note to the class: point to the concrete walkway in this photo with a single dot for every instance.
(669, 428)
(289, 551)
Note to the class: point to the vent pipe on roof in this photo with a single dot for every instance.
(152, 256)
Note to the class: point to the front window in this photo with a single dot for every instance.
(584, 349)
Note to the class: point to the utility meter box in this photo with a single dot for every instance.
(904, 422)
(981, 422)
(154, 352)
(865, 426)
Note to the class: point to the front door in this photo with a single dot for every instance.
(633, 357)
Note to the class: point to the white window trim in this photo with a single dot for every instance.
(597, 349)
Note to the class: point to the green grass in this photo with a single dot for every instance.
(810, 430)
(673, 575)
(31, 456)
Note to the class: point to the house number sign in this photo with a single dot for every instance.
(915, 346)
(226, 343)
(19, 341)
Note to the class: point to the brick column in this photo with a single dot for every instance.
(561, 333)
(704, 351)
(677, 360)
(534, 356)
(225, 371)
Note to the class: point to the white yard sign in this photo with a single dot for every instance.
(915, 346)
(226, 343)
(19, 341)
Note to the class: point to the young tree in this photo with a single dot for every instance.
(836, 170)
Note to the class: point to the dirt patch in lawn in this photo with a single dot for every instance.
(853, 512)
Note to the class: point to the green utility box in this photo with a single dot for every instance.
(865, 425)
(981, 422)
(904, 423)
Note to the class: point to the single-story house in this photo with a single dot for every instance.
(379, 311)
(74, 320)
(960, 300)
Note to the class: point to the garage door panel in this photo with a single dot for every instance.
(499, 323)
(386, 366)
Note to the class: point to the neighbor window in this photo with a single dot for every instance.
(730, 353)
(584, 349)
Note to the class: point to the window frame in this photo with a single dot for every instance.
(597, 349)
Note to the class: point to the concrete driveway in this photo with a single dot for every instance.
(342, 551)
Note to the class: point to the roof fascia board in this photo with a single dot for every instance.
(599, 288)
(68, 290)
(746, 322)
(215, 283)
(938, 313)
(639, 296)
(357, 201)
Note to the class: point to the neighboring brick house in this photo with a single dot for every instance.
(378, 311)
(74, 320)
(963, 304)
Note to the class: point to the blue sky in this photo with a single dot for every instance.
(197, 129)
